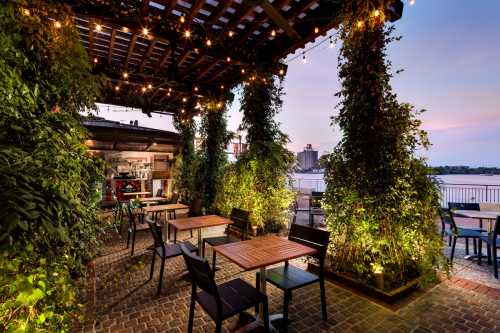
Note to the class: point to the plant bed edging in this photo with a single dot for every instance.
(387, 297)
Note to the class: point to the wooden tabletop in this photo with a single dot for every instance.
(161, 208)
(136, 193)
(199, 222)
(261, 252)
(477, 214)
(152, 199)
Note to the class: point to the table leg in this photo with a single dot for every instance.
(199, 241)
(262, 284)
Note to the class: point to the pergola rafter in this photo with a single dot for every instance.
(149, 42)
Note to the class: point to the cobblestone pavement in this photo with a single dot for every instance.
(120, 299)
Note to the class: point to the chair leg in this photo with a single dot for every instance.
(191, 314)
(152, 266)
(449, 240)
(474, 244)
(285, 311)
(257, 286)
(467, 245)
(218, 326)
(488, 252)
(213, 260)
(191, 232)
(161, 275)
(128, 238)
(323, 298)
(480, 253)
(203, 248)
(133, 243)
(454, 243)
(495, 260)
(266, 315)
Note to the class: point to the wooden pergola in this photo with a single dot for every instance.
(159, 55)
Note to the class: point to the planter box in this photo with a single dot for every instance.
(388, 297)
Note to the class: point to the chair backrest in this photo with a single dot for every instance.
(447, 218)
(241, 221)
(201, 275)
(316, 238)
(195, 209)
(155, 231)
(131, 216)
(315, 200)
(496, 229)
(159, 193)
(463, 205)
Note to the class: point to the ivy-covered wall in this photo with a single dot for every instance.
(48, 193)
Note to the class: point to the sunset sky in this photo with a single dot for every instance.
(450, 53)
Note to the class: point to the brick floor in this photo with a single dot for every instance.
(125, 302)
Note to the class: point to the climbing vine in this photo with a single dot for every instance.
(258, 181)
(380, 204)
(48, 180)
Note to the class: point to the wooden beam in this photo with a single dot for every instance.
(220, 10)
(207, 69)
(145, 7)
(147, 55)
(196, 7)
(111, 45)
(280, 21)
(182, 57)
(169, 5)
(259, 20)
(242, 12)
(131, 47)
(163, 59)
(219, 73)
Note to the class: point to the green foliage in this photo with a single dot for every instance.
(213, 156)
(258, 181)
(47, 178)
(380, 204)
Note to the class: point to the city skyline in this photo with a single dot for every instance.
(449, 53)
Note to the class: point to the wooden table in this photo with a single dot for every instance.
(155, 210)
(198, 223)
(262, 252)
(137, 194)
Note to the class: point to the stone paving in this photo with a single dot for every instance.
(120, 299)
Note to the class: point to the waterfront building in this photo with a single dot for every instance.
(308, 158)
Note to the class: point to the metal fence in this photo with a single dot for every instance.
(448, 192)
(474, 193)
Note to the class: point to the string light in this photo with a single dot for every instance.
(183, 19)
(168, 94)
(169, 89)
(222, 86)
(376, 13)
(304, 60)
(273, 32)
(316, 30)
(209, 42)
(150, 86)
(228, 59)
(219, 105)
(182, 111)
(98, 27)
(57, 24)
(230, 33)
(26, 12)
(143, 89)
(331, 42)
(96, 60)
(184, 99)
(187, 34)
(125, 29)
(412, 2)
(359, 24)
(242, 71)
(117, 88)
(195, 88)
(125, 75)
(145, 31)
(282, 72)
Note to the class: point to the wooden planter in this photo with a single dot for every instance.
(388, 297)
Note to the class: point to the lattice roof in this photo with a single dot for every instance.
(228, 40)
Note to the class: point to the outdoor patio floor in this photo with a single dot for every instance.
(119, 299)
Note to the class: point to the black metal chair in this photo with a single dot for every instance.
(220, 301)
(446, 222)
(457, 232)
(164, 251)
(135, 224)
(289, 278)
(241, 221)
(492, 241)
(315, 206)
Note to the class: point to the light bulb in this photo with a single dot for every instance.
(150, 86)
(376, 13)
(187, 33)
(145, 31)
(316, 30)
(331, 43)
(228, 59)
(184, 99)
(143, 89)
(195, 88)
(412, 2)
(359, 24)
(125, 29)
(125, 75)
(98, 27)
(96, 60)
(282, 72)
(57, 24)
(242, 71)
(117, 88)
(230, 33)
(273, 32)
(222, 86)
(209, 42)
(168, 94)
(304, 60)
(26, 12)
(183, 19)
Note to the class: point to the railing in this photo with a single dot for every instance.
(306, 186)
(474, 193)
(448, 192)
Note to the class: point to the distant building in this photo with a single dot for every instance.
(307, 159)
